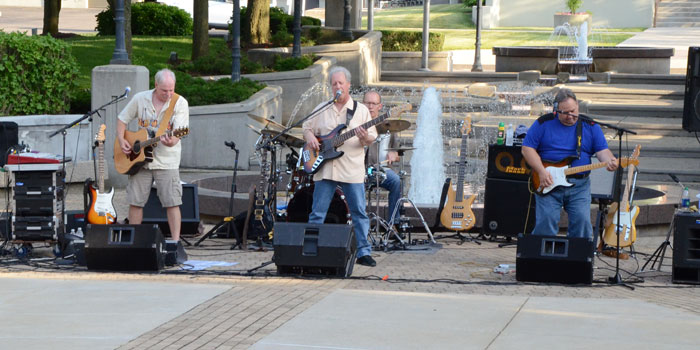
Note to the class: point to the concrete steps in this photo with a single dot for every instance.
(678, 13)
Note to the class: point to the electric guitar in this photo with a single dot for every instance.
(101, 210)
(314, 160)
(261, 220)
(141, 149)
(457, 213)
(560, 169)
(628, 216)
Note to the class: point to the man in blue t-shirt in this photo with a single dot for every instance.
(552, 138)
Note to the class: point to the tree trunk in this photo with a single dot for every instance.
(259, 21)
(51, 11)
(200, 34)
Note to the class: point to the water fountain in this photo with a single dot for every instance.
(426, 184)
(574, 59)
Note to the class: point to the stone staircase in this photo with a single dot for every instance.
(678, 13)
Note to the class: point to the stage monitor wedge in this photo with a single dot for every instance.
(554, 259)
(691, 104)
(124, 247)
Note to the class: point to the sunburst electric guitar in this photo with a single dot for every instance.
(560, 169)
(141, 149)
(314, 160)
(457, 213)
(101, 210)
(628, 216)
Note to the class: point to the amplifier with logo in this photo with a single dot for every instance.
(507, 163)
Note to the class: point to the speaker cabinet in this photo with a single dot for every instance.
(154, 213)
(555, 259)
(8, 138)
(691, 104)
(327, 249)
(686, 249)
(124, 247)
(507, 162)
(506, 204)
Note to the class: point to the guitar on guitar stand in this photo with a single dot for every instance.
(101, 203)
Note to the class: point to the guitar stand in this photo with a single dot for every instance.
(399, 204)
(462, 238)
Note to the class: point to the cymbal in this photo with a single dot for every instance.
(401, 149)
(287, 139)
(393, 125)
(266, 122)
(256, 130)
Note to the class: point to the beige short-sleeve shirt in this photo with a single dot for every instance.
(350, 167)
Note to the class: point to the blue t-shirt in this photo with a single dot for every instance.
(555, 141)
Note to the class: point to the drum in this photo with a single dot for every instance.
(299, 207)
(374, 177)
(299, 180)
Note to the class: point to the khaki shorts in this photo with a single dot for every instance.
(167, 183)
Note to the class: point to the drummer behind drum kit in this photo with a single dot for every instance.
(301, 184)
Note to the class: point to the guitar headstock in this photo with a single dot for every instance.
(100, 136)
(180, 132)
(396, 111)
(633, 160)
(635, 153)
(466, 125)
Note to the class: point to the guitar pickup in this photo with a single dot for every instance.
(259, 202)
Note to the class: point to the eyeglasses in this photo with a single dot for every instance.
(372, 103)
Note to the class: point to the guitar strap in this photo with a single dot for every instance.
(168, 115)
(350, 113)
(579, 131)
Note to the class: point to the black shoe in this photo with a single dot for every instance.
(366, 261)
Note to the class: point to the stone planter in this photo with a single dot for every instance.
(403, 61)
(211, 125)
(574, 20)
(361, 57)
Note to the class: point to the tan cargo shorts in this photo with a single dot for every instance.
(167, 183)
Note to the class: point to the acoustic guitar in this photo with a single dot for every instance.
(101, 210)
(328, 144)
(141, 149)
(561, 169)
(457, 213)
(628, 216)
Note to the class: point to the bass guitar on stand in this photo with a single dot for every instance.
(101, 210)
(628, 216)
(328, 144)
(457, 213)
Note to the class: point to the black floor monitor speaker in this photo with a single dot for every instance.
(691, 104)
(124, 247)
(554, 259)
(506, 210)
(8, 138)
(154, 213)
(327, 249)
(686, 249)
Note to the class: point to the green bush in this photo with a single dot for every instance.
(279, 21)
(292, 63)
(37, 74)
(282, 38)
(469, 3)
(395, 40)
(218, 63)
(149, 18)
(199, 92)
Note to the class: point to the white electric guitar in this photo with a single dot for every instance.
(560, 170)
(101, 208)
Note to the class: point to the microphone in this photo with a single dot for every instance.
(337, 95)
(230, 144)
(674, 178)
(126, 92)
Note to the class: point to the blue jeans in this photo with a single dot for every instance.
(392, 183)
(576, 200)
(355, 196)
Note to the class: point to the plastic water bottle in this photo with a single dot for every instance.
(685, 199)
(80, 232)
(72, 232)
(509, 134)
(501, 132)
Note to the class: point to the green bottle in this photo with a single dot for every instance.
(501, 133)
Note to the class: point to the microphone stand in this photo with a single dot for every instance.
(286, 130)
(617, 279)
(64, 131)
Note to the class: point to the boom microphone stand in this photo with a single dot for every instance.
(615, 280)
(660, 252)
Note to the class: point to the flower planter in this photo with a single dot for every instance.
(574, 20)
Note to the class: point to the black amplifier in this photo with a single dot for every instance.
(507, 163)
(36, 228)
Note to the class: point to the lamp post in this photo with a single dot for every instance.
(120, 55)
(477, 46)
(426, 35)
(236, 41)
(346, 32)
(296, 48)
(370, 15)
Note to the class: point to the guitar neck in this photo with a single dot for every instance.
(582, 168)
(461, 169)
(625, 201)
(340, 139)
(101, 167)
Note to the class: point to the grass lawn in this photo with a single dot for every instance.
(151, 52)
(441, 16)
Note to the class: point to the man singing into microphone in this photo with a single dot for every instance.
(348, 171)
(554, 137)
(150, 108)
